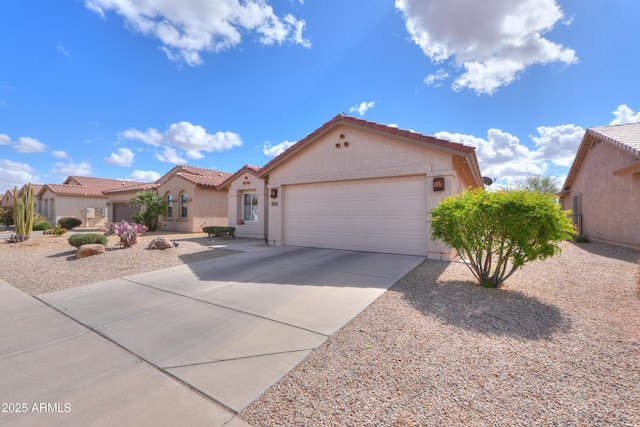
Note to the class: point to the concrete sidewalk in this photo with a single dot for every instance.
(215, 334)
(56, 372)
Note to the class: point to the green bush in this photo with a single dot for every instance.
(40, 223)
(496, 233)
(217, 231)
(69, 222)
(86, 239)
(6, 216)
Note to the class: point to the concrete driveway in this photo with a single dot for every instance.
(227, 328)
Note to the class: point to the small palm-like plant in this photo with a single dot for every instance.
(154, 206)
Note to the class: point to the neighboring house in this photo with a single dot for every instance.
(603, 185)
(7, 199)
(247, 202)
(195, 198)
(80, 197)
(119, 208)
(357, 185)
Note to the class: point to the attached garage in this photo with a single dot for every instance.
(124, 211)
(377, 215)
(359, 185)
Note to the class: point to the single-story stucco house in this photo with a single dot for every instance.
(80, 197)
(8, 199)
(195, 198)
(353, 184)
(118, 206)
(603, 185)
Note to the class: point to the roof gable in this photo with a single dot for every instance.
(625, 137)
(201, 177)
(392, 131)
(465, 153)
(254, 170)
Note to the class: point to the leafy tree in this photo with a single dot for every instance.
(154, 206)
(540, 183)
(496, 233)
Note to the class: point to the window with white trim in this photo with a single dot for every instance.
(250, 207)
(169, 206)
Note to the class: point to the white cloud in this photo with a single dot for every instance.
(558, 144)
(124, 157)
(71, 168)
(62, 50)
(192, 139)
(59, 154)
(150, 136)
(275, 150)
(494, 42)
(144, 176)
(623, 115)
(26, 145)
(190, 27)
(436, 79)
(15, 174)
(502, 155)
(362, 108)
(170, 155)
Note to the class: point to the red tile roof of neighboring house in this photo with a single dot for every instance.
(131, 188)
(202, 177)
(89, 186)
(244, 169)
(348, 120)
(625, 137)
(98, 185)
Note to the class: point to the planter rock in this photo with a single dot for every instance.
(160, 243)
(84, 251)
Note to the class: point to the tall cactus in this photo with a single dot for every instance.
(23, 207)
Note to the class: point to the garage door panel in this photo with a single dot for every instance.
(380, 215)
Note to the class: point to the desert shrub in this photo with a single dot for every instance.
(69, 222)
(6, 216)
(86, 239)
(496, 233)
(579, 238)
(128, 232)
(40, 223)
(58, 231)
(217, 231)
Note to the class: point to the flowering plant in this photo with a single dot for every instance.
(128, 232)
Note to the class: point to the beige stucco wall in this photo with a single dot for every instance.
(247, 183)
(368, 155)
(610, 203)
(68, 206)
(205, 206)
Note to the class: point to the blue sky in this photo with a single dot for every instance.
(127, 89)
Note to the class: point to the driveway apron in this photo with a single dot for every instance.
(231, 327)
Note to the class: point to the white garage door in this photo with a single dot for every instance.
(375, 215)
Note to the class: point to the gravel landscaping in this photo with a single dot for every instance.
(559, 344)
(48, 263)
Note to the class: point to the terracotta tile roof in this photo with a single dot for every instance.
(98, 185)
(625, 136)
(202, 177)
(210, 180)
(72, 190)
(244, 169)
(348, 120)
(90, 186)
(131, 188)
